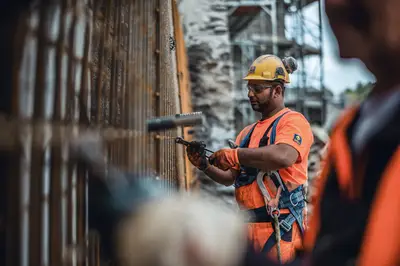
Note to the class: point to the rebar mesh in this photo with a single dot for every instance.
(106, 65)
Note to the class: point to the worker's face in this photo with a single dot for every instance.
(263, 95)
(350, 23)
(368, 30)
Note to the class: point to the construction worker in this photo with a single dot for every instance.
(269, 168)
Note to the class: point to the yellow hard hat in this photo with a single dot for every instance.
(271, 68)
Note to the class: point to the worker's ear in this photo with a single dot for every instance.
(278, 91)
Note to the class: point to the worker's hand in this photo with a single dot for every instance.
(197, 158)
(225, 159)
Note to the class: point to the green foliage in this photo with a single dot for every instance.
(361, 91)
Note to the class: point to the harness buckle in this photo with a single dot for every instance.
(291, 200)
(274, 212)
(285, 226)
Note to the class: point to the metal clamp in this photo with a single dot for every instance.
(277, 176)
(261, 186)
(274, 212)
(291, 201)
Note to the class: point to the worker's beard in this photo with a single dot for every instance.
(263, 106)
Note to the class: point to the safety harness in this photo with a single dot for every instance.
(294, 201)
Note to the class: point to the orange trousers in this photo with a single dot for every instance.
(260, 232)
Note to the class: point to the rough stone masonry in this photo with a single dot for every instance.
(205, 24)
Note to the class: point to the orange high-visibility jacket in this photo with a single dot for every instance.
(356, 219)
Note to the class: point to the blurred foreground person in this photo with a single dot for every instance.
(182, 230)
(114, 195)
(356, 219)
(141, 225)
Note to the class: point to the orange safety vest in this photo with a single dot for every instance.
(356, 218)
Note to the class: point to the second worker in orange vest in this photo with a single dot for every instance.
(272, 155)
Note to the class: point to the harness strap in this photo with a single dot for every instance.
(260, 215)
(296, 198)
(294, 201)
(288, 199)
(245, 142)
(274, 125)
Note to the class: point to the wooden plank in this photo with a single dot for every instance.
(184, 83)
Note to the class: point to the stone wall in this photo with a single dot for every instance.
(210, 65)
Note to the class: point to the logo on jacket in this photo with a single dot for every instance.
(297, 139)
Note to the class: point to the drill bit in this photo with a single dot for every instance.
(169, 122)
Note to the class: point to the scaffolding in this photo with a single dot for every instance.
(278, 27)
